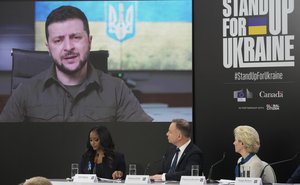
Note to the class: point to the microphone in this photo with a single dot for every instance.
(151, 163)
(277, 162)
(209, 180)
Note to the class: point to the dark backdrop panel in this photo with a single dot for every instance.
(216, 112)
(48, 149)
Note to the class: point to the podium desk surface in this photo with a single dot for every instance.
(64, 182)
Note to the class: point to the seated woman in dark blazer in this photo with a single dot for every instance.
(100, 157)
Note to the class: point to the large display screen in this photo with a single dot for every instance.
(149, 44)
(139, 35)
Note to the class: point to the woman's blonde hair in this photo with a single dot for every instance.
(38, 180)
(249, 137)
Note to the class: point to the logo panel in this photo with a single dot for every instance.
(120, 18)
(242, 95)
(256, 34)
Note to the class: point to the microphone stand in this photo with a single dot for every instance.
(151, 163)
(278, 162)
(209, 180)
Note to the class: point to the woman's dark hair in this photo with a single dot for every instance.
(64, 13)
(106, 143)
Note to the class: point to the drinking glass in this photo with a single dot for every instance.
(246, 171)
(132, 169)
(195, 170)
(74, 169)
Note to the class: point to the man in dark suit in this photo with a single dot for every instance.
(176, 165)
(295, 178)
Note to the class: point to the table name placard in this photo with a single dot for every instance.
(137, 179)
(248, 181)
(192, 180)
(91, 178)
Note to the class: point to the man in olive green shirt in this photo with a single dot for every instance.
(72, 90)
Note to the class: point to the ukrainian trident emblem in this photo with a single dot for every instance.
(120, 20)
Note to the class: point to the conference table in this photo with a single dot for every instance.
(103, 183)
(64, 182)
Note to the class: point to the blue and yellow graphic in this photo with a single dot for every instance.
(140, 35)
(257, 25)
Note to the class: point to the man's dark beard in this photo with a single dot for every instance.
(63, 69)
